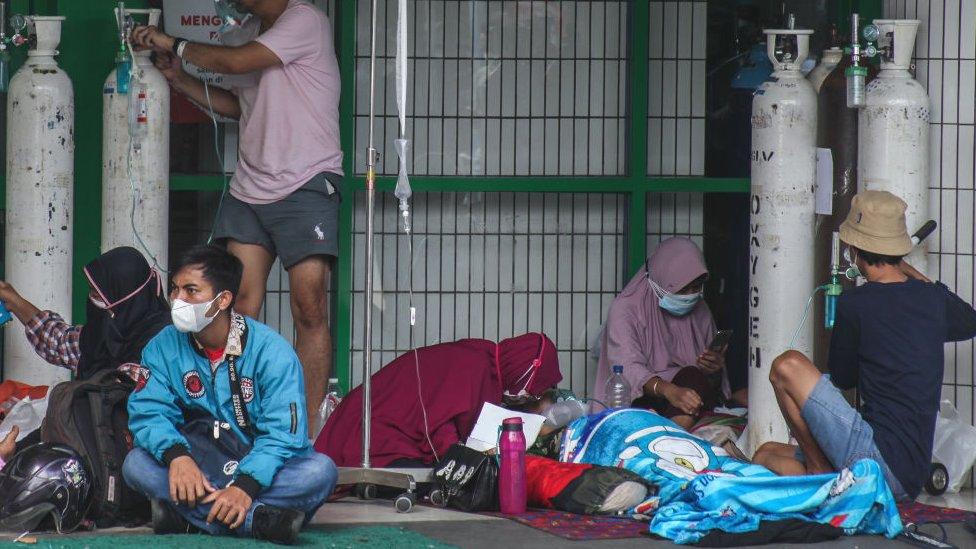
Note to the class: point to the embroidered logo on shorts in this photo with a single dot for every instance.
(247, 389)
(193, 385)
(142, 378)
(230, 468)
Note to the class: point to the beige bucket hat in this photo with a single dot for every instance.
(877, 224)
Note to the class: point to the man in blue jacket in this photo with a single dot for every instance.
(218, 416)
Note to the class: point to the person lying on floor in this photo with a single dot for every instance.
(219, 419)
(702, 489)
(429, 399)
(659, 329)
(888, 341)
(126, 308)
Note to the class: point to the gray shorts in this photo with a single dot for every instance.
(842, 433)
(303, 224)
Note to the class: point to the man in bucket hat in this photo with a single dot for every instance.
(888, 341)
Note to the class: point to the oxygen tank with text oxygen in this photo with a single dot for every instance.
(781, 274)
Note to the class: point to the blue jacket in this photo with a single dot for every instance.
(177, 376)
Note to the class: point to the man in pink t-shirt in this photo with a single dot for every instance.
(284, 195)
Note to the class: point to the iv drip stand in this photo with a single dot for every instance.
(365, 477)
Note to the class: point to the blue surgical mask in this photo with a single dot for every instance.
(679, 304)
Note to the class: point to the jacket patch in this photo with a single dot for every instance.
(247, 389)
(230, 468)
(142, 378)
(193, 385)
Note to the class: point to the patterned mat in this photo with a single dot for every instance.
(581, 528)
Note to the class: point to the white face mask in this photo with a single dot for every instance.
(192, 317)
(98, 303)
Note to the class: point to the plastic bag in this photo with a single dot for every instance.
(26, 414)
(955, 445)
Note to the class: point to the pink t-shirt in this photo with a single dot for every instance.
(289, 127)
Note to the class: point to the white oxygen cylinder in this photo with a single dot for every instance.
(893, 133)
(828, 62)
(40, 196)
(781, 263)
(145, 167)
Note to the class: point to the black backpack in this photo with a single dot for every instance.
(90, 416)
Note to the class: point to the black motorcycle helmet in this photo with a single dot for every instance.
(40, 481)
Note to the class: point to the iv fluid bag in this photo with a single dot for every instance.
(402, 191)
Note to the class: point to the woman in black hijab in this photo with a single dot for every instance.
(126, 309)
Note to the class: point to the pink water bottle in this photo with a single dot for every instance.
(511, 475)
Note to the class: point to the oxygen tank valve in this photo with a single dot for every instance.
(856, 74)
(19, 23)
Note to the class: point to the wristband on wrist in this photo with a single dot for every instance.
(179, 45)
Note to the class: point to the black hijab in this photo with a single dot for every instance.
(137, 311)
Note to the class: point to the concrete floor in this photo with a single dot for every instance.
(480, 532)
(471, 531)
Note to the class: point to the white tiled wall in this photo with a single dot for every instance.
(945, 60)
(492, 265)
(501, 87)
(676, 94)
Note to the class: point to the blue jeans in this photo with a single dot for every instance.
(303, 483)
(842, 433)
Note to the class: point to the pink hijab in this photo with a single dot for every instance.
(648, 341)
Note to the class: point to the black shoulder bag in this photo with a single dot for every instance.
(468, 479)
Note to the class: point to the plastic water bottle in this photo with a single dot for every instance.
(512, 494)
(329, 404)
(5, 315)
(618, 389)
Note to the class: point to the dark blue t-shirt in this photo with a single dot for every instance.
(888, 340)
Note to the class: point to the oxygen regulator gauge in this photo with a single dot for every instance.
(871, 33)
(18, 23)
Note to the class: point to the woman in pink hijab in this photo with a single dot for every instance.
(659, 329)
(428, 399)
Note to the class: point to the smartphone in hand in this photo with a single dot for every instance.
(720, 341)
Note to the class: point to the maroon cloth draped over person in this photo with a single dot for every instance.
(455, 380)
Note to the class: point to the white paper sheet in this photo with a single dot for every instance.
(485, 432)
(824, 195)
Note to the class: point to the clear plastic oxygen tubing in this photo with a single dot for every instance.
(134, 147)
(220, 161)
(803, 319)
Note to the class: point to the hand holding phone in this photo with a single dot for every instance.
(720, 341)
